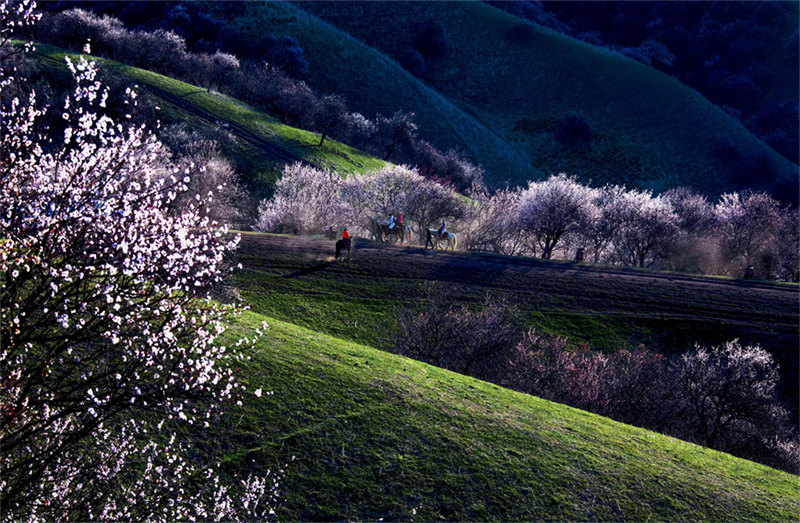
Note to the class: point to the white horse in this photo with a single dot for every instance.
(437, 242)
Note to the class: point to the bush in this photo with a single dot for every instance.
(454, 337)
(574, 129)
(413, 62)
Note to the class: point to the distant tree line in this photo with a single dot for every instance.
(267, 80)
(678, 230)
(734, 53)
(723, 397)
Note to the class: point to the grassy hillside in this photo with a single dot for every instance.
(649, 129)
(371, 82)
(261, 144)
(609, 307)
(380, 436)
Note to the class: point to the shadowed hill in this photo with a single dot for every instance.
(519, 80)
(373, 83)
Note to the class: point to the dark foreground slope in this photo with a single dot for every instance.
(296, 279)
(376, 436)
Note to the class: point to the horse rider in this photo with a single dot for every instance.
(390, 223)
(346, 238)
(443, 229)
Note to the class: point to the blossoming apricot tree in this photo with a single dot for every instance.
(108, 340)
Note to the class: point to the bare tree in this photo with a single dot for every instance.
(332, 115)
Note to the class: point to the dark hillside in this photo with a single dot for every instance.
(521, 80)
(607, 307)
(740, 55)
(373, 83)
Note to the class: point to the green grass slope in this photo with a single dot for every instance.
(649, 129)
(371, 82)
(608, 307)
(261, 145)
(379, 436)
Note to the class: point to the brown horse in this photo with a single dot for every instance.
(382, 230)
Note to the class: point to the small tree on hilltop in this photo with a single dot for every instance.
(332, 115)
(108, 338)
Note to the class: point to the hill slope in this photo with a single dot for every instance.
(371, 82)
(261, 145)
(380, 436)
(649, 130)
(295, 279)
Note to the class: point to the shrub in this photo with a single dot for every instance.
(413, 62)
(573, 129)
(474, 342)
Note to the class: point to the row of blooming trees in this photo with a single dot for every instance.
(307, 199)
(109, 341)
(678, 230)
